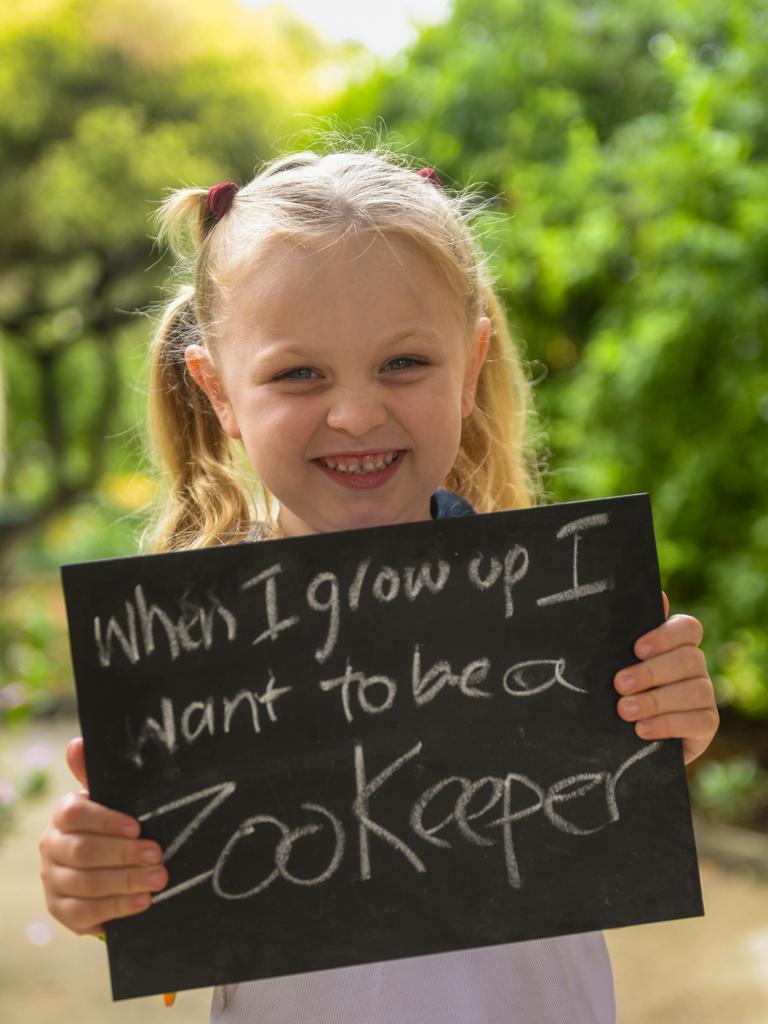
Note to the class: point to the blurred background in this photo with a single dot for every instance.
(623, 148)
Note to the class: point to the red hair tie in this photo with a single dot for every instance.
(431, 173)
(220, 196)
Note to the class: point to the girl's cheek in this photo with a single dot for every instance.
(290, 430)
(437, 417)
(295, 419)
(270, 413)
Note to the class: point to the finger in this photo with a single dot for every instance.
(688, 695)
(100, 884)
(693, 727)
(76, 760)
(675, 632)
(76, 813)
(665, 599)
(85, 851)
(87, 917)
(672, 667)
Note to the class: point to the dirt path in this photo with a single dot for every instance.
(704, 971)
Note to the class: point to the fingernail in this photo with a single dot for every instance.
(151, 855)
(130, 830)
(644, 728)
(626, 683)
(630, 707)
(644, 649)
(141, 901)
(156, 877)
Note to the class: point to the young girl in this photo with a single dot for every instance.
(341, 323)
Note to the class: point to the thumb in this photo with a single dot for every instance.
(76, 761)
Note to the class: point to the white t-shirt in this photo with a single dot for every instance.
(565, 980)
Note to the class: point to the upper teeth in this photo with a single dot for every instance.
(359, 464)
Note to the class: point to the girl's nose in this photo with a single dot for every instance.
(356, 412)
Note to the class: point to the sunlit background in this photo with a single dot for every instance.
(384, 29)
(621, 150)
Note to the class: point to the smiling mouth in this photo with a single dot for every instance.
(361, 464)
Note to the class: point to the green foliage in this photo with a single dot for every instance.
(626, 148)
(734, 791)
(36, 677)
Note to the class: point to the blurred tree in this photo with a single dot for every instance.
(625, 147)
(104, 104)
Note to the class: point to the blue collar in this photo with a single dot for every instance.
(445, 504)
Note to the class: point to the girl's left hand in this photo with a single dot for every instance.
(669, 693)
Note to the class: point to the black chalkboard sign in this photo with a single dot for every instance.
(381, 743)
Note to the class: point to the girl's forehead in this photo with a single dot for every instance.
(371, 274)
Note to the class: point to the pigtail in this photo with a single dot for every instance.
(203, 502)
(181, 218)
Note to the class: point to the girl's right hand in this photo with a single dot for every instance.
(94, 867)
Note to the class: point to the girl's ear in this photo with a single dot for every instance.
(207, 378)
(477, 353)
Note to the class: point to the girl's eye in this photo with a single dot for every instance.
(405, 362)
(306, 373)
(300, 373)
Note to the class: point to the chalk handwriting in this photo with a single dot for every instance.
(385, 589)
(386, 585)
(361, 806)
(418, 577)
(387, 688)
(135, 639)
(275, 625)
(519, 797)
(459, 813)
(147, 627)
(578, 590)
(517, 678)
(330, 605)
(356, 587)
(508, 816)
(200, 717)
(221, 792)
(514, 569)
(426, 686)
(376, 693)
(282, 851)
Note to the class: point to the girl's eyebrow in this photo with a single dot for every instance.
(421, 331)
(280, 350)
(286, 349)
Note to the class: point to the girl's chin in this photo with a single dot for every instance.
(348, 519)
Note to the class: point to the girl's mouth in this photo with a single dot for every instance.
(361, 472)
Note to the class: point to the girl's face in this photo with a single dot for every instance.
(333, 363)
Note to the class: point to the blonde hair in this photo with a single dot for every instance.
(306, 198)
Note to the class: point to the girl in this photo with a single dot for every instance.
(341, 323)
